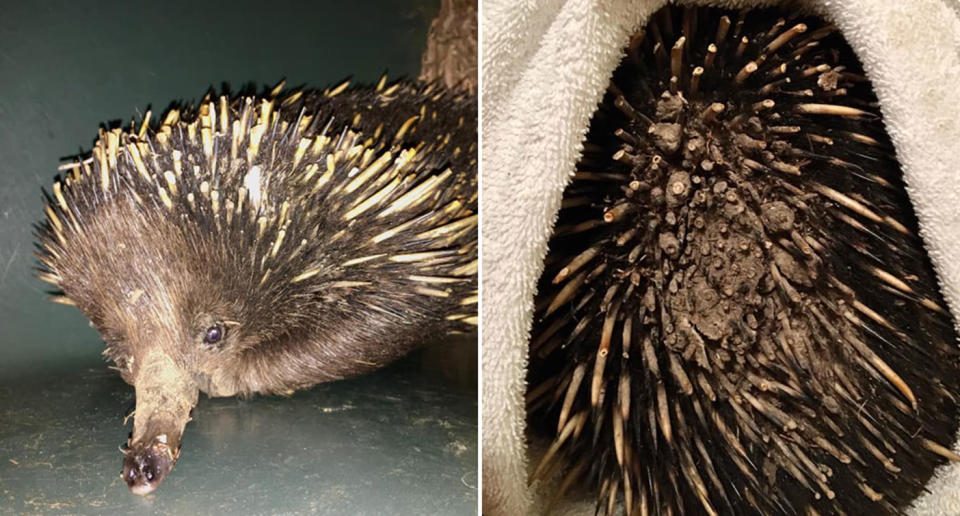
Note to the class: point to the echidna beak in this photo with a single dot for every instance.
(145, 468)
(165, 395)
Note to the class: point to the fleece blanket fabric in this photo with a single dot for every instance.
(545, 66)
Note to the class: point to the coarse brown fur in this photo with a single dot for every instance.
(326, 233)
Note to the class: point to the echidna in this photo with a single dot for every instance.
(737, 315)
(265, 244)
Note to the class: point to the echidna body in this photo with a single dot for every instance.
(265, 244)
(737, 315)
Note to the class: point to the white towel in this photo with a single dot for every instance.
(545, 66)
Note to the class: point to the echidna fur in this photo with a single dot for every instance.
(323, 233)
(737, 315)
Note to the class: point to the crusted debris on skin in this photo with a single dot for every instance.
(266, 243)
(737, 315)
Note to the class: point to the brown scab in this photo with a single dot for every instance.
(669, 244)
(777, 217)
(666, 136)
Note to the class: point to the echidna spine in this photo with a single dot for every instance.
(736, 314)
(263, 244)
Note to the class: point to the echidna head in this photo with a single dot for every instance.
(151, 283)
(184, 307)
(179, 309)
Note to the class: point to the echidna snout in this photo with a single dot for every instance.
(145, 467)
(264, 244)
(736, 314)
(166, 393)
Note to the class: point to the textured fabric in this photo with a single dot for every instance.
(531, 140)
(545, 66)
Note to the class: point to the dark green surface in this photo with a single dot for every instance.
(395, 442)
(403, 441)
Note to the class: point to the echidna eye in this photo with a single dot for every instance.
(214, 334)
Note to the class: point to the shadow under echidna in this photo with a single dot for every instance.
(266, 244)
(737, 315)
